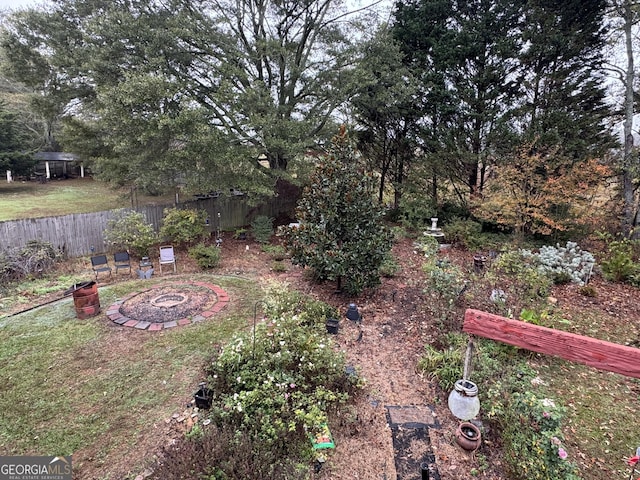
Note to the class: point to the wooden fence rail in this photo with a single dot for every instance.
(75, 234)
(599, 354)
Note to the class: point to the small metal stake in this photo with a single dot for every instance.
(255, 316)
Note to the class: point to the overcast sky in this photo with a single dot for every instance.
(12, 4)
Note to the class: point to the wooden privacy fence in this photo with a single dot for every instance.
(75, 234)
(599, 354)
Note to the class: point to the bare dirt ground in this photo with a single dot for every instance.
(385, 349)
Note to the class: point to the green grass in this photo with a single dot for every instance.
(600, 405)
(64, 197)
(84, 386)
(28, 291)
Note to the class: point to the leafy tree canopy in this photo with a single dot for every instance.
(247, 78)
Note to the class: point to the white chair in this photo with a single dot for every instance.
(167, 257)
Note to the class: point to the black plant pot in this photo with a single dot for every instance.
(203, 398)
(333, 325)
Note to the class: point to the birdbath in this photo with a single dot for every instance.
(434, 231)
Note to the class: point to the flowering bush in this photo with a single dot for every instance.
(533, 439)
(282, 383)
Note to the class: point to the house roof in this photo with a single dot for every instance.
(57, 156)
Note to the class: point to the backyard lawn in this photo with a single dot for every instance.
(63, 197)
(99, 391)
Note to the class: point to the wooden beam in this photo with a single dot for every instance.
(599, 354)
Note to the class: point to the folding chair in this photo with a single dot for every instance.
(100, 265)
(167, 257)
(122, 261)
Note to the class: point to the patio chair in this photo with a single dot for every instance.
(100, 265)
(167, 257)
(122, 261)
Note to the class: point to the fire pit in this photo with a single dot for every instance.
(169, 300)
(168, 305)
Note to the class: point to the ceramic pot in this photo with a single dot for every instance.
(468, 436)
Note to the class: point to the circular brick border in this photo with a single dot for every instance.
(113, 312)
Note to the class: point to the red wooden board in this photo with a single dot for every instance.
(575, 348)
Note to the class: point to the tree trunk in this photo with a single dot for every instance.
(629, 209)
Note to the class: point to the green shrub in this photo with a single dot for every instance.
(206, 256)
(533, 437)
(399, 232)
(464, 233)
(285, 379)
(277, 252)
(278, 266)
(414, 212)
(341, 236)
(525, 286)
(130, 232)
(183, 226)
(444, 285)
(619, 265)
(262, 228)
(428, 245)
(240, 234)
(390, 266)
(445, 279)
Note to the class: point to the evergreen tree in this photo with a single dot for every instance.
(252, 78)
(464, 53)
(341, 234)
(14, 153)
(385, 108)
(561, 78)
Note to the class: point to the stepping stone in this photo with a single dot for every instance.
(411, 443)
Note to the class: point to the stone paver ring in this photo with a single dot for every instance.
(168, 305)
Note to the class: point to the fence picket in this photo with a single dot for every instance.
(75, 234)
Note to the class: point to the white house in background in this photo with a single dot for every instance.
(59, 165)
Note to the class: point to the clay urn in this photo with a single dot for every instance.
(468, 436)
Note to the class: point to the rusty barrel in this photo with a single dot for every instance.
(86, 299)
